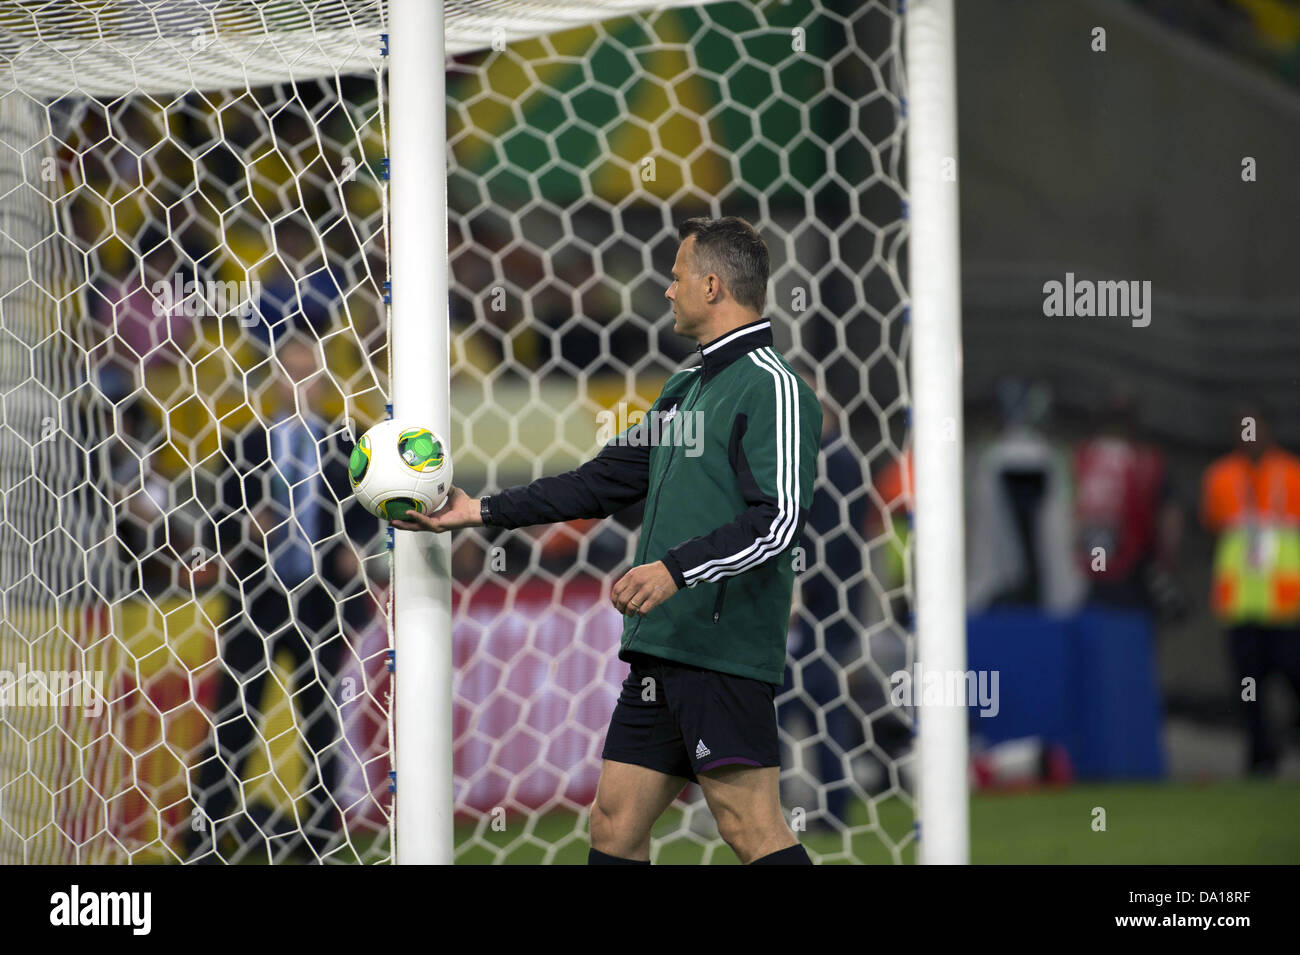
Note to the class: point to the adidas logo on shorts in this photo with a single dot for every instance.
(701, 750)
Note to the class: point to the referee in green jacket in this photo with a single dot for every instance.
(725, 461)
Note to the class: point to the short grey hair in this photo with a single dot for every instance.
(732, 249)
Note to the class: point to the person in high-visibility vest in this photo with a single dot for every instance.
(1251, 501)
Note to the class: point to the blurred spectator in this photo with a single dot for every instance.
(889, 611)
(299, 285)
(290, 543)
(161, 549)
(893, 522)
(144, 326)
(1022, 541)
(1251, 502)
(1128, 523)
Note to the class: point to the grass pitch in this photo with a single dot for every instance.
(1222, 823)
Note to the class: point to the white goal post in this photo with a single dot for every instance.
(937, 431)
(221, 219)
(421, 334)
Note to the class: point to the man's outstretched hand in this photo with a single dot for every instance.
(460, 510)
(642, 589)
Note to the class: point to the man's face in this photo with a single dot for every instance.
(686, 292)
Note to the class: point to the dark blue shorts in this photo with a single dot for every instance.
(683, 720)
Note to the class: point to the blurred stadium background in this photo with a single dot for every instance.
(1124, 164)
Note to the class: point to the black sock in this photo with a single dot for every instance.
(596, 857)
(795, 855)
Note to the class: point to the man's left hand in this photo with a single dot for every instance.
(642, 589)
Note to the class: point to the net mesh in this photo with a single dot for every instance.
(194, 328)
(185, 239)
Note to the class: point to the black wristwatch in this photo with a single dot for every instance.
(484, 512)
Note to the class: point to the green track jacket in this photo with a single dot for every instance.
(725, 461)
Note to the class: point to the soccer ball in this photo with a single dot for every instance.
(399, 466)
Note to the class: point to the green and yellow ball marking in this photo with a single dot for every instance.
(397, 508)
(419, 449)
(359, 461)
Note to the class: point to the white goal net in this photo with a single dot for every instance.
(195, 635)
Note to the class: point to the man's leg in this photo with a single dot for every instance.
(1288, 658)
(643, 768)
(629, 799)
(315, 645)
(728, 726)
(746, 802)
(1250, 659)
(241, 680)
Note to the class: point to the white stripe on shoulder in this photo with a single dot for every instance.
(781, 531)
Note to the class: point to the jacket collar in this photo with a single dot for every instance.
(723, 350)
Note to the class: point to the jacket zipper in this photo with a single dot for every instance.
(717, 604)
(672, 452)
